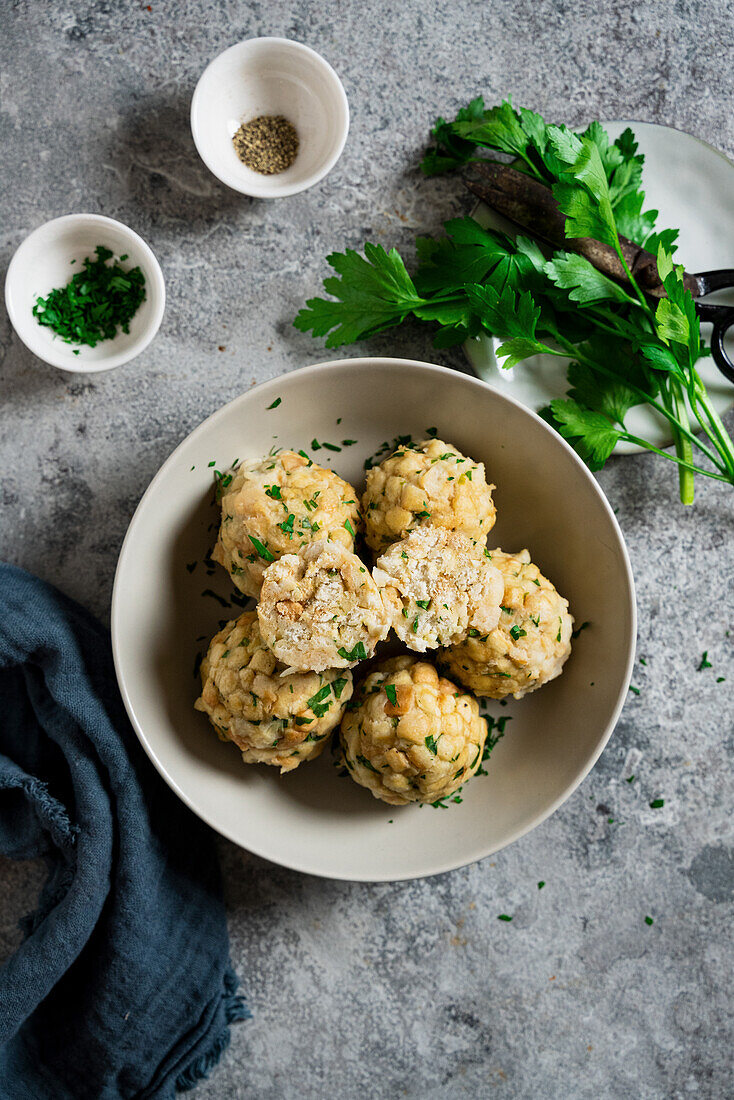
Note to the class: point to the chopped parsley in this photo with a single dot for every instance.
(273, 491)
(635, 690)
(575, 633)
(214, 596)
(320, 695)
(705, 663)
(541, 884)
(338, 687)
(287, 525)
(657, 803)
(274, 404)
(316, 702)
(315, 445)
(96, 302)
(350, 529)
(331, 446)
(517, 632)
(504, 916)
(358, 653)
(649, 921)
(367, 764)
(262, 549)
(431, 744)
(391, 692)
(425, 604)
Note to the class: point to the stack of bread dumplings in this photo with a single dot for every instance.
(279, 679)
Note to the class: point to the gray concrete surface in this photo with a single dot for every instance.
(417, 989)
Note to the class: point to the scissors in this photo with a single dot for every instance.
(531, 206)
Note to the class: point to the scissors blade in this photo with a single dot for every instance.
(531, 206)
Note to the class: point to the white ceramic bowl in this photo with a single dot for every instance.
(312, 820)
(270, 76)
(44, 261)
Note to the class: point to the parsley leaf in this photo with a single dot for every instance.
(582, 280)
(593, 434)
(372, 293)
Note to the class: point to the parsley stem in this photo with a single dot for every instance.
(699, 397)
(673, 458)
(573, 351)
(683, 447)
(631, 279)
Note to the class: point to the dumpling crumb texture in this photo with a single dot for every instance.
(273, 506)
(320, 608)
(411, 735)
(426, 484)
(274, 719)
(438, 585)
(528, 647)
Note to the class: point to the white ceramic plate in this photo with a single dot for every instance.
(313, 820)
(692, 186)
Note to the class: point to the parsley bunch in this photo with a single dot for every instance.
(624, 350)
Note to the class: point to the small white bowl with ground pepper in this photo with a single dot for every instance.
(269, 117)
(85, 293)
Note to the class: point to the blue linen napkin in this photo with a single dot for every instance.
(123, 986)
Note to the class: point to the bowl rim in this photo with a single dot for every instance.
(271, 191)
(116, 359)
(420, 367)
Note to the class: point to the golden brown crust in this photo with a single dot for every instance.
(529, 646)
(426, 484)
(273, 506)
(272, 718)
(418, 747)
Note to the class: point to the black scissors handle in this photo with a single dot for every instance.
(721, 317)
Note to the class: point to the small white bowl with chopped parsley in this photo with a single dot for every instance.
(170, 598)
(85, 293)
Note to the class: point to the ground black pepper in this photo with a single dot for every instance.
(268, 144)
